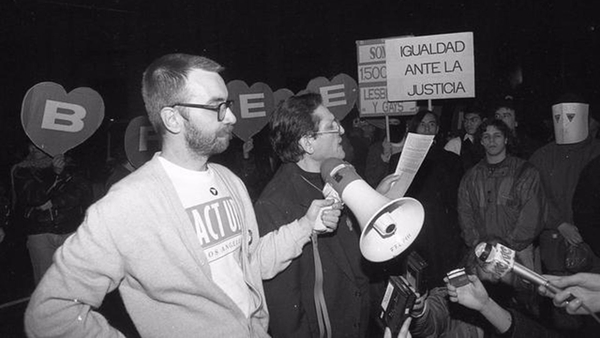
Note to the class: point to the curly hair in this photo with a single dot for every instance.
(292, 120)
(498, 124)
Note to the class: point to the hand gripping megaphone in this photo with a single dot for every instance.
(388, 226)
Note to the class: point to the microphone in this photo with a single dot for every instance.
(500, 260)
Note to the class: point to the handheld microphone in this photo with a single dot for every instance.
(500, 260)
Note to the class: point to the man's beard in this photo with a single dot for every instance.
(202, 144)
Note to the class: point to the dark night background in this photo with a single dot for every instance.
(106, 44)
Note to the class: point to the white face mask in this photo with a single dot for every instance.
(570, 122)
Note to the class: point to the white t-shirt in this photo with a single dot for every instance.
(218, 226)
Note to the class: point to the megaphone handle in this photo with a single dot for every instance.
(319, 226)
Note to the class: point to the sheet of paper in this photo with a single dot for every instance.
(413, 153)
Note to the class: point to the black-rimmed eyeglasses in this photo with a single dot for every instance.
(220, 109)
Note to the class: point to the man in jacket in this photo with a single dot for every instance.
(501, 197)
(178, 236)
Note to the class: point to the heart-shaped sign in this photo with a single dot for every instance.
(339, 94)
(253, 107)
(141, 141)
(281, 94)
(56, 121)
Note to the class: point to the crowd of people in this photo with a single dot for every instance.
(242, 239)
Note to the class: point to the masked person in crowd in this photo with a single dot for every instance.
(560, 163)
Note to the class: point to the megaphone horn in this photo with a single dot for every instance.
(388, 227)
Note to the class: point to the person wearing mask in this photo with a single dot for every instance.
(560, 163)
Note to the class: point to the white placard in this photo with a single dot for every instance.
(372, 83)
(414, 151)
(430, 67)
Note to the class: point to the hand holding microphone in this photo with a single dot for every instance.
(499, 260)
(582, 286)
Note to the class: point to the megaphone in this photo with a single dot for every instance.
(388, 227)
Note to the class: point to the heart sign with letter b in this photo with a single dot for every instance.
(252, 107)
(56, 121)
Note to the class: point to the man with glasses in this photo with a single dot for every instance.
(470, 152)
(178, 236)
(325, 290)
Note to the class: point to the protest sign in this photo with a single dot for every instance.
(372, 76)
(281, 95)
(339, 95)
(56, 121)
(141, 141)
(252, 107)
(430, 67)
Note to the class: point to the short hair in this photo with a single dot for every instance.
(475, 108)
(413, 124)
(164, 81)
(496, 123)
(506, 102)
(292, 120)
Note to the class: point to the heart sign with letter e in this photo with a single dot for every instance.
(339, 94)
(252, 107)
(280, 95)
(56, 121)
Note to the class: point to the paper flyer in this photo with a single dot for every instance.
(413, 153)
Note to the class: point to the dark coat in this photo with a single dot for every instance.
(436, 187)
(586, 205)
(69, 192)
(290, 295)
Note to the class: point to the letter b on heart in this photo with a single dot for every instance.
(56, 121)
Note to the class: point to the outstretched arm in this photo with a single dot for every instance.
(584, 286)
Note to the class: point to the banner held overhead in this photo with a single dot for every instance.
(373, 97)
(430, 67)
